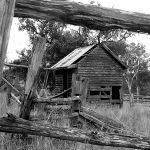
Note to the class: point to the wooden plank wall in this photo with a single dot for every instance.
(58, 83)
(101, 69)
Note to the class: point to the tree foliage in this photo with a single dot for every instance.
(137, 60)
(61, 39)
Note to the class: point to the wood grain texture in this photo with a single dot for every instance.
(13, 124)
(36, 62)
(6, 16)
(93, 17)
(100, 69)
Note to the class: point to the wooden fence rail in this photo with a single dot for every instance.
(137, 98)
(101, 122)
(56, 101)
(13, 124)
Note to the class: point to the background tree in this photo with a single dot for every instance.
(115, 35)
(61, 39)
(136, 60)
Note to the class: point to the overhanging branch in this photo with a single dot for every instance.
(93, 17)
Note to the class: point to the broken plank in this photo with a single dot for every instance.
(9, 84)
(13, 124)
(39, 48)
(73, 66)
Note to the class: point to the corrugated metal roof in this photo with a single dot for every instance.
(72, 57)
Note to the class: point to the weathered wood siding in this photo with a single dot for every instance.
(100, 68)
(63, 81)
(58, 83)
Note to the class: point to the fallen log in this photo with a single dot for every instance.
(93, 17)
(13, 124)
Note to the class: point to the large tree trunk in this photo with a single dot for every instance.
(137, 88)
(6, 16)
(131, 97)
(12, 124)
(93, 17)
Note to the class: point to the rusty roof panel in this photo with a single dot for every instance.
(72, 57)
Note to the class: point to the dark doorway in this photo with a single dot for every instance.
(67, 78)
(116, 92)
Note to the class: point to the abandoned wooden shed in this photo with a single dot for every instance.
(99, 65)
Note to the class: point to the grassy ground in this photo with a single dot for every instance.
(136, 119)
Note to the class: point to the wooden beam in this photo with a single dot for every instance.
(60, 94)
(73, 66)
(56, 101)
(6, 16)
(11, 85)
(16, 99)
(91, 16)
(39, 48)
(13, 124)
(15, 65)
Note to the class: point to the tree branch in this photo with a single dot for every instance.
(93, 17)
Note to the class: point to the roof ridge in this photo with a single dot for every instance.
(79, 52)
(113, 55)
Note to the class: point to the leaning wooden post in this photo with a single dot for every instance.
(39, 48)
(75, 110)
(84, 90)
(76, 102)
(6, 16)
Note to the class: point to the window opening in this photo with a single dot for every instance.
(94, 93)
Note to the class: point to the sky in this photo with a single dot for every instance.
(20, 40)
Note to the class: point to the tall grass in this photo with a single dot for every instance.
(136, 119)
